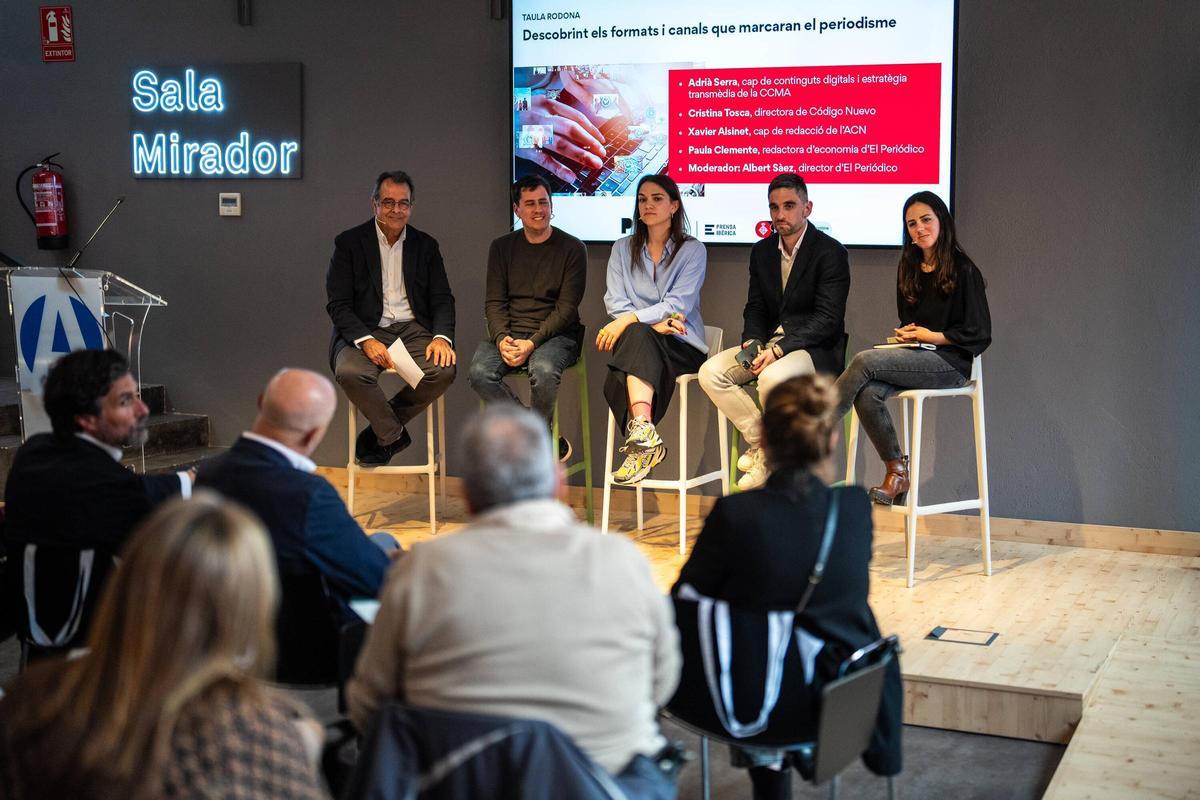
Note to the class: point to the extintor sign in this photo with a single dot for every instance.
(58, 33)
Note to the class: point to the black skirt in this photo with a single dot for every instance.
(653, 357)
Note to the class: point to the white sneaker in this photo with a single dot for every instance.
(747, 460)
(753, 478)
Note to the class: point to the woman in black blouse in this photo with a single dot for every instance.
(941, 301)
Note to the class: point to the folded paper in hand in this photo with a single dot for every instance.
(406, 368)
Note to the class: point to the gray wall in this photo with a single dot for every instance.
(1076, 194)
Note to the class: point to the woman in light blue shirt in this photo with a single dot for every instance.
(656, 333)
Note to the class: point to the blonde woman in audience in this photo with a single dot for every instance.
(168, 701)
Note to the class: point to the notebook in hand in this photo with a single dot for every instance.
(895, 344)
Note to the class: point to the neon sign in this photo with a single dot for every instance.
(149, 95)
(235, 121)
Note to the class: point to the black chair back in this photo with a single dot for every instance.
(306, 632)
(849, 708)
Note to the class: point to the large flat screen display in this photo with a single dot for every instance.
(855, 96)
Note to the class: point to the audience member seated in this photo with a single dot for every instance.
(526, 613)
(323, 556)
(68, 492)
(757, 550)
(168, 702)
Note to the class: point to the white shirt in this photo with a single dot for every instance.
(302, 463)
(785, 263)
(185, 480)
(391, 260)
(786, 258)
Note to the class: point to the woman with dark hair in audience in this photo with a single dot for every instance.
(168, 699)
(656, 333)
(941, 301)
(757, 550)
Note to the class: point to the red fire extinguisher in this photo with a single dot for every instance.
(49, 212)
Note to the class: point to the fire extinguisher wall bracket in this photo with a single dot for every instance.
(49, 212)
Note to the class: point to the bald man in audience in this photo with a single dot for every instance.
(317, 542)
(527, 613)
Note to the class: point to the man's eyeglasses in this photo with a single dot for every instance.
(388, 204)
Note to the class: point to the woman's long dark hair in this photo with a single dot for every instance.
(641, 233)
(946, 250)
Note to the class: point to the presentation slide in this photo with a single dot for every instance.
(855, 96)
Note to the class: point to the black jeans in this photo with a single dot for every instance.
(875, 375)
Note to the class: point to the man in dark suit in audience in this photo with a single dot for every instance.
(269, 471)
(321, 552)
(68, 491)
(526, 613)
(386, 282)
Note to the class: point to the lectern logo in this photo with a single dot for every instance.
(74, 316)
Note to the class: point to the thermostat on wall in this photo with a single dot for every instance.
(229, 204)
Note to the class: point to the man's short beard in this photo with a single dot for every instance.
(137, 437)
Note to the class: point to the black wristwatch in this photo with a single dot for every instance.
(777, 350)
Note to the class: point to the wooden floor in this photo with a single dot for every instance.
(1059, 613)
(1140, 735)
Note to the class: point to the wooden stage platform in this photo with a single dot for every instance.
(1061, 613)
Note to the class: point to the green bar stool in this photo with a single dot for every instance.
(584, 465)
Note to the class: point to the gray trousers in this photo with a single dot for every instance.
(359, 378)
(875, 375)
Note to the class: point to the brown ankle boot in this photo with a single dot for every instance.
(895, 483)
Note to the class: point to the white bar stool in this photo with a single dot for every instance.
(713, 337)
(912, 510)
(434, 466)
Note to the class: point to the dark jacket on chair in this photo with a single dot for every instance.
(811, 309)
(354, 285)
(433, 754)
(757, 550)
(66, 494)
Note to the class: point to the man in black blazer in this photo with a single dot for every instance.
(67, 491)
(323, 557)
(799, 280)
(386, 282)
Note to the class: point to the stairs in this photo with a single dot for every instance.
(176, 442)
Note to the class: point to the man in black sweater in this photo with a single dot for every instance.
(535, 281)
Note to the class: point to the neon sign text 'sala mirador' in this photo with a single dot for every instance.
(169, 154)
